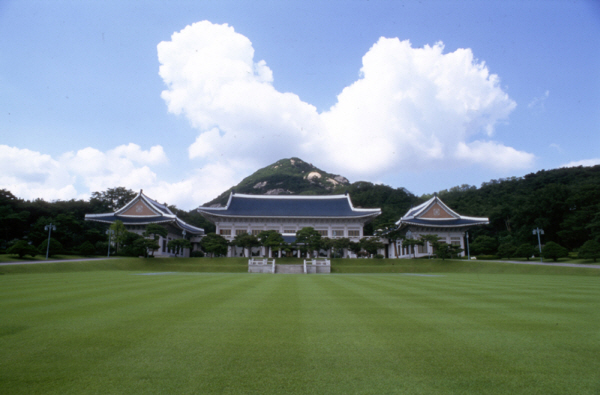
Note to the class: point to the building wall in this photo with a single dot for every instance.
(450, 236)
(331, 228)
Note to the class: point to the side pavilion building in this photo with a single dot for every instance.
(143, 211)
(333, 216)
(433, 218)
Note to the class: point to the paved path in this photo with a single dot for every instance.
(541, 263)
(54, 261)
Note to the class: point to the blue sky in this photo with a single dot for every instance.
(365, 89)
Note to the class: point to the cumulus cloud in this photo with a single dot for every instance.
(584, 162)
(213, 80)
(410, 107)
(30, 175)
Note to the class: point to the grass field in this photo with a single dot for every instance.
(113, 329)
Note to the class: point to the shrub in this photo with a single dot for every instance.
(196, 254)
(554, 251)
(590, 250)
(525, 251)
(506, 250)
(378, 256)
(55, 247)
(22, 248)
(87, 248)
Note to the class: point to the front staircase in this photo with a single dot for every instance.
(289, 269)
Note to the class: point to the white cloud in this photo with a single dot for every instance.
(30, 175)
(213, 80)
(411, 107)
(200, 187)
(538, 103)
(584, 162)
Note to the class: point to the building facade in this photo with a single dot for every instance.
(333, 216)
(432, 218)
(142, 211)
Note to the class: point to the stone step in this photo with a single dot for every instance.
(289, 269)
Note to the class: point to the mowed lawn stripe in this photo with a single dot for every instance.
(518, 338)
(114, 332)
(70, 343)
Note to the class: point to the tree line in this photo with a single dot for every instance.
(565, 203)
(24, 222)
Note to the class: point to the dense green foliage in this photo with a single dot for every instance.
(25, 220)
(589, 250)
(564, 202)
(214, 245)
(458, 333)
(554, 251)
(22, 249)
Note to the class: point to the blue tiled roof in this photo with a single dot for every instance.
(252, 206)
(109, 219)
(442, 223)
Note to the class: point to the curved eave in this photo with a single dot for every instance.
(450, 224)
(366, 215)
(146, 221)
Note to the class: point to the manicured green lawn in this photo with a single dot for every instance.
(120, 332)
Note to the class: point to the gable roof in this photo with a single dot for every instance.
(288, 206)
(435, 213)
(142, 210)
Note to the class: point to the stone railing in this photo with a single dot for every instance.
(318, 261)
(262, 262)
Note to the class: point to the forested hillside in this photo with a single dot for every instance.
(565, 203)
(25, 220)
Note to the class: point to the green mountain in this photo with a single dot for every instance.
(286, 177)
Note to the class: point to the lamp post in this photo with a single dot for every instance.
(468, 250)
(183, 233)
(539, 232)
(109, 232)
(49, 228)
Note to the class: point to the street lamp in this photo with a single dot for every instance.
(183, 233)
(539, 232)
(49, 228)
(109, 232)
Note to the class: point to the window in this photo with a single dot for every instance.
(289, 231)
(455, 241)
(225, 232)
(323, 232)
(337, 233)
(240, 232)
(353, 233)
(255, 232)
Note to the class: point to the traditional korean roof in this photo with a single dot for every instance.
(288, 206)
(144, 211)
(434, 213)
